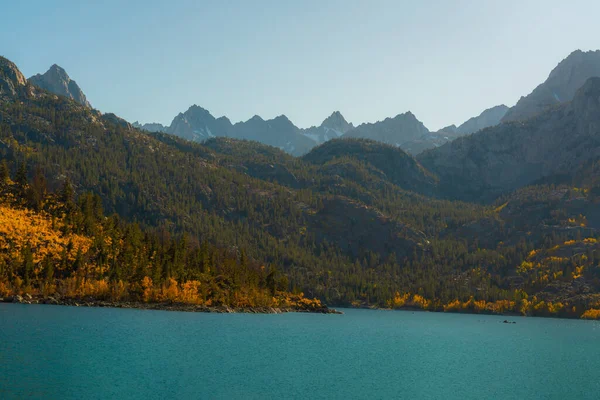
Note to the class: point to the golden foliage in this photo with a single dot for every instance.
(19, 228)
(591, 314)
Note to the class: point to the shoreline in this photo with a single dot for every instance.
(163, 306)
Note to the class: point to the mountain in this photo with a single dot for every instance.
(278, 132)
(197, 124)
(495, 160)
(241, 197)
(333, 126)
(395, 131)
(150, 127)
(57, 81)
(353, 222)
(487, 118)
(562, 84)
(490, 117)
(337, 123)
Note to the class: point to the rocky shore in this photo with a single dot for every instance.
(165, 306)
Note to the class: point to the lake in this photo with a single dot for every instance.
(57, 352)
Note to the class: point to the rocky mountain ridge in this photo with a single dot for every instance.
(560, 86)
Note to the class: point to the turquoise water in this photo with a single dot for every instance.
(59, 352)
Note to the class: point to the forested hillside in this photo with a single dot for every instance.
(57, 247)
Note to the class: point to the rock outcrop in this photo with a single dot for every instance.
(114, 119)
(11, 79)
(57, 81)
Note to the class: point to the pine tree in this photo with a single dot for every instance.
(4, 173)
(27, 264)
(21, 177)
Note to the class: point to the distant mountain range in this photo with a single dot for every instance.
(198, 124)
(404, 130)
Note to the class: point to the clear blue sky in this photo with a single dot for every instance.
(443, 60)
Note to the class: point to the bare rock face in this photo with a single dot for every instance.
(57, 81)
(11, 79)
(113, 119)
(560, 87)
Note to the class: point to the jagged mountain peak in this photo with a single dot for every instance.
(55, 68)
(256, 118)
(337, 122)
(282, 118)
(57, 81)
(224, 119)
(197, 110)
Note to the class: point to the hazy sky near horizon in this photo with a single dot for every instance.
(444, 60)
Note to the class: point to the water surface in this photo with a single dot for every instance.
(58, 352)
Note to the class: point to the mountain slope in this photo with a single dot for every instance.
(57, 81)
(397, 166)
(512, 155)
(490, 117)
(562, 84)
(278, 132)
(176, 186)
